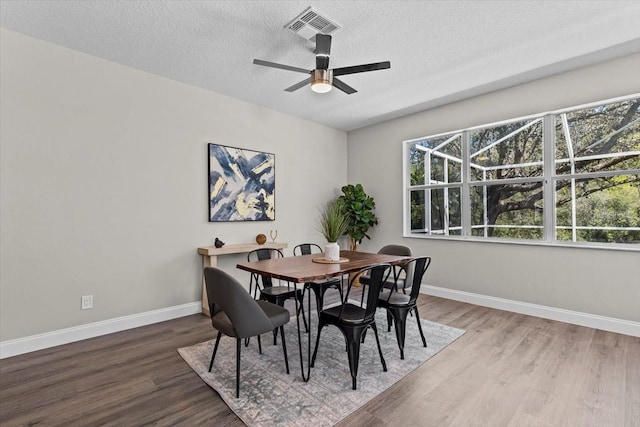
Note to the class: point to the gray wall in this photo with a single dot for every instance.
(595, 281)
(104, 185)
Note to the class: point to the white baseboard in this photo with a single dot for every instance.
(77, 333)
(610, 324)
(31, 343)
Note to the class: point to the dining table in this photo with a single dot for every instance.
(301, 270)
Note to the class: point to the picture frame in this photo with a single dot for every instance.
(241, 184)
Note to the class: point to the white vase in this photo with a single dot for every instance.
(332, 251)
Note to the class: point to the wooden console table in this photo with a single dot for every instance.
(210, 259)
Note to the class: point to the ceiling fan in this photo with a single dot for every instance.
(322, 79)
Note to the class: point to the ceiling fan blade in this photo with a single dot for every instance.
(298, 85)
(343, 86)
(323, 50)
(281, 66)
(361, 68)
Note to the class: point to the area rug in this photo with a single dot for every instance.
(270, 397)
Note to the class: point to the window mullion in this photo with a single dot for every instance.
(427, 192)
(406, 194)
(548, 150)
(567, 137)
(465, 202)
(485, 218)
(446, 197)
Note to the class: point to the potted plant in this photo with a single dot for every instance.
(333, 223)
(358, 207)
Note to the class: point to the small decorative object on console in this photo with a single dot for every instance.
(261, 239)
(218, 243)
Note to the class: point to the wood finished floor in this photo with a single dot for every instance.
(507, 370)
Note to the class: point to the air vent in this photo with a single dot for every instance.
(311, 22)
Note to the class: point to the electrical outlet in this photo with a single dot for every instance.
(87, 302)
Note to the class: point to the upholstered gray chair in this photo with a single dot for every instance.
(236, 314)
(398, 281)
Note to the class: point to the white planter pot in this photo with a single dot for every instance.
(332, 251)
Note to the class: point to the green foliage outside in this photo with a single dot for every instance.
(616, 206)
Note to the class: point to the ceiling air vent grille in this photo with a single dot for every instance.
(311, 22)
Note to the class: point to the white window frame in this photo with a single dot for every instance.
(549, 179)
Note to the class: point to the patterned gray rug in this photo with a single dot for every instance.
(270, 397)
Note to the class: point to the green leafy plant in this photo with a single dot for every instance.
(333, 221)
(359, 208)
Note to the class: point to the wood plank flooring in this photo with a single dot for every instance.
(507, 370)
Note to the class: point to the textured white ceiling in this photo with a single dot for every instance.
(440, 51)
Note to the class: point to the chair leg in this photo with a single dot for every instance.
(354, 335)
(284, 349)
(238, 347)
(259, 345)
(315, 350)
(215, 350)
(375, 331)
(280, 302)
(424, 342)
(400, 322)
(301, 310)
(319, 292)
(389, 321)
(323, 290)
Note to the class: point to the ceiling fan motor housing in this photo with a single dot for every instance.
(321, 80)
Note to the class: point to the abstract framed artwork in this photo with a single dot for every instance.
(241, 184)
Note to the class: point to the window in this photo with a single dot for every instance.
(566, 176)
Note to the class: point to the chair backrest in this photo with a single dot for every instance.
(376, 277)
(259, 255)
(306, 249)
(399, 250)
(226, 294)
(416, 269)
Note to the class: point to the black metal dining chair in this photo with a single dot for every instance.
(397, 280)
(353, 320)
(236, 314)
(319, 287)
(268, 292)
(399, 305)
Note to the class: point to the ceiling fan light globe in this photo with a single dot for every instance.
(321, 81)
(321, 87)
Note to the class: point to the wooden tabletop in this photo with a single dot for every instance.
(301, 269)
